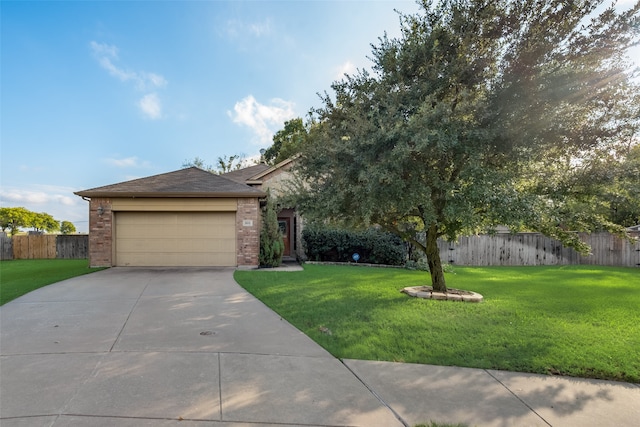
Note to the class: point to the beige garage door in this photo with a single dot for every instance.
(175, 239)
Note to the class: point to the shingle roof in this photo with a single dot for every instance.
(254, 174)
(189, 182)
(245, 174)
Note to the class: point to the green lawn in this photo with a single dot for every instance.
(579, 321)
(18, 277)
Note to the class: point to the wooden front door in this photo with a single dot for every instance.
(285, 229)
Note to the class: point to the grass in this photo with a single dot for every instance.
(18, 277)
(580, 321)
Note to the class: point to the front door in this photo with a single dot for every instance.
(285, 230)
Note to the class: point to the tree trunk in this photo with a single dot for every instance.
(433, 259)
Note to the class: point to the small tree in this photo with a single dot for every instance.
(271, 242)
(231, 163)
(199, 163)
(225, 164)
(43, 222)
(13, 218)
(67, 227)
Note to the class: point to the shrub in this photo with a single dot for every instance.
(271, 243)
(338, 245)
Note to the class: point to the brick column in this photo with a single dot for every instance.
(100, 232)
(248, 222)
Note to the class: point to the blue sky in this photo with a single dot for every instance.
(94, 93)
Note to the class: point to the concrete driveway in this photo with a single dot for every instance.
(169, 347)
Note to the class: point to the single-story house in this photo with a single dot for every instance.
(276, 179)
(189, 217)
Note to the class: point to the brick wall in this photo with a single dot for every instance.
(100, 233)
(248, 220)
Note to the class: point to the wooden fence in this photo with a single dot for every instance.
(498, 249)
(48, 246)
(536, 249)
(6, 247)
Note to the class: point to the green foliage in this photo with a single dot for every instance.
(67, 227)
(622, 197)
(338, 245)
(13, 218)
(271, 241)
(225, 164)
(198, 163)
(480, 114)
(579, 321)
(231, 163)
(286, 142)
(22, 276)
(43, 222)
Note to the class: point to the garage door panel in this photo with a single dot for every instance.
(143, 231)
(175, 238)
(171, 259)
(175, 245)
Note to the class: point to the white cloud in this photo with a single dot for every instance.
(59, 202)
(237, 29)
(263, 120)
(155, 79)
(32, 197)
(106, 55)
(151, 106)
(260, 29)
(127, 162)
(346, 68)
(123, 75)
(103, 49)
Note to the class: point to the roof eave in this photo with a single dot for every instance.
(123, 194)
(273, 168)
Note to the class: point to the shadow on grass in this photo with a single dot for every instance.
(528, 322)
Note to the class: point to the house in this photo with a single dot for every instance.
(189, 217)
(276, 180)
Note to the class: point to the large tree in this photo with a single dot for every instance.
(483, 112)
(287, 142)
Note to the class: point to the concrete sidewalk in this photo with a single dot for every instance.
(189, 347)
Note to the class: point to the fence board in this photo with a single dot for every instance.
(72, 246)
(33, 246)
(536, 249)
(6, 247)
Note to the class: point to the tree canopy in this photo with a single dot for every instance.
(224, 164)
(482, 113)
(13, 219)
(287, 142)
(67, 227)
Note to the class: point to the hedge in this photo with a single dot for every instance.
(338, 245)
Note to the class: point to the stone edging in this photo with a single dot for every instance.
(426, 292)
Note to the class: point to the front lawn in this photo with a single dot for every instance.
(20, 276)
(581, 321)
